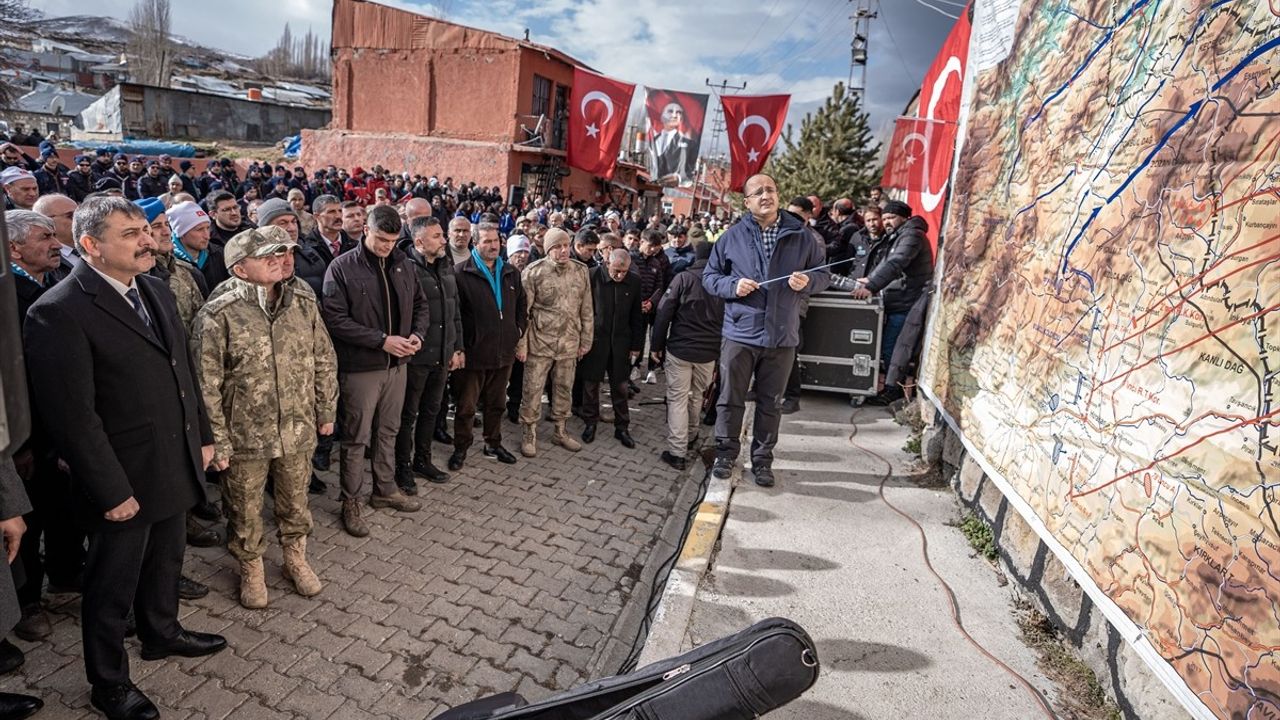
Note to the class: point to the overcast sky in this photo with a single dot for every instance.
(799, 47)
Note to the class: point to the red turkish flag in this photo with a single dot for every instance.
(754, 123)
(598, 109)
(938, 113)
(920, 151)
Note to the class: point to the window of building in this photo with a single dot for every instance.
(541, 97)
(560, 127)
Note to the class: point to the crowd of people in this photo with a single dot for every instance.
(184, 330)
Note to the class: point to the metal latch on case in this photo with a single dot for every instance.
(861, 365)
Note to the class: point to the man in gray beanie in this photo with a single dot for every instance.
(282, 213)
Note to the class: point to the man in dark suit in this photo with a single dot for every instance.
(136, 459)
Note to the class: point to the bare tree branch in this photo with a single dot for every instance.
(150, 48)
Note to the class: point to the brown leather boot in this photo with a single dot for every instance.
(253, 584)
(296, 568)
(351, 520)
(564, 439)
(529, 446)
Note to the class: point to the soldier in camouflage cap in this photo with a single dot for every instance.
(269, 377)
(558, 292)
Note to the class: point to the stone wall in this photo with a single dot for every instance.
(1045, 582)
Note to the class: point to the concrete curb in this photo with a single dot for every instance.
(671, 619)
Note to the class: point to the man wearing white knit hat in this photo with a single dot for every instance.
(190, 225)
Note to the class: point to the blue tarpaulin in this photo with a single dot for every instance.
(293, 146)
(134, 146)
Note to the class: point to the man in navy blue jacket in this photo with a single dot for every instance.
(761, 319)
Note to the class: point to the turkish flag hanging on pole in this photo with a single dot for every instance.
(754, 123)
(930, 137)
(598, 109)
(914, 157)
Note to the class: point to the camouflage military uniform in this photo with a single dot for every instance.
(560, 322)
(183, 285)
(269, 378)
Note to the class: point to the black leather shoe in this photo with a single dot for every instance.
(189, 589)
(513, 414)
(499, 453)
(790, 406)
(589, 433)
(11, 658)
(425, 469)
(763, 476)
(33, 627)
(207, 537)
(722, 468)
(316, 486)
(674, 461)
(16, 707)
(625, 438)
(885, 397)
(442, 436)
(188, 644)
(123, 702)
(457, 459)
(409, 488)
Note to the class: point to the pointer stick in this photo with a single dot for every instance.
(820, 267)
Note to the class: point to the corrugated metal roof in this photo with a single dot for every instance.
(52, 99)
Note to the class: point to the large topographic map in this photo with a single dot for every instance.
(1107, 329)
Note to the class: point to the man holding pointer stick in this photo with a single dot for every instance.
(761, 319)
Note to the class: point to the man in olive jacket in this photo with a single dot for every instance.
(558, 293)
(377, 316)
(441, 353)
(269, 378)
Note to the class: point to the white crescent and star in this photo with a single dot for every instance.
(753, 154)
(928, 198)
(914, 137)
(596, 96)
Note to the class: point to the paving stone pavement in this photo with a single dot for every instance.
(511, 578)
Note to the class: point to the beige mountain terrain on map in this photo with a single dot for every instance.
(1107, 333)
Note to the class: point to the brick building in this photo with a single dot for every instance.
(416, 93)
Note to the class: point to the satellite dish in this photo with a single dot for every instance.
(56, 107)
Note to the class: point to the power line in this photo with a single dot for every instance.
(750, 40)
(953, 3)
(938, 10)
(814, 50)
(896, 48)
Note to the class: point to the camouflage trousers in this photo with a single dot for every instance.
(536, 369)
(242, 496)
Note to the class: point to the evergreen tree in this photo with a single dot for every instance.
(834, 156)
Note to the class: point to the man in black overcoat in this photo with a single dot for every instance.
(619, 338)
(136, 458)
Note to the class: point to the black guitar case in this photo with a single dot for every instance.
(739, 677)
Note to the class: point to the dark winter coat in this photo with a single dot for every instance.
(313, 257)
(355, 308)
(689, 320)
(79, 185)
(444, 330)
(654, 272)
(149, 187)
(770, 316)
(50, 182)
(121, 402)
(489, 337)
(900, 266)
(619, 327)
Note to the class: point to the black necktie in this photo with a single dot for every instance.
(136, 301)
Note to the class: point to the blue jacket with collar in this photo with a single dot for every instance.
(770, 316)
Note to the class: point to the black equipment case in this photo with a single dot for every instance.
(739, 677)
(840, 351)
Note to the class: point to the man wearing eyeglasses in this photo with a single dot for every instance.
(761, 268)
